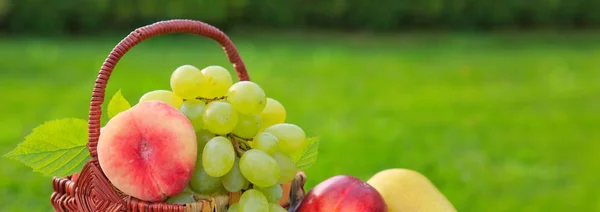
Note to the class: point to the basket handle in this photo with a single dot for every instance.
(134, 38)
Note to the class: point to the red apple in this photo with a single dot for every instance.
(343, 193)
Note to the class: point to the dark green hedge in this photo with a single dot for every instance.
(51, 16)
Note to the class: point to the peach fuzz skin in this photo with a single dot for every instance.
(148, 151)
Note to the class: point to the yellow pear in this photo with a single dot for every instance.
(406, 190)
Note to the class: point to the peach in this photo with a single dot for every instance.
(149, 151)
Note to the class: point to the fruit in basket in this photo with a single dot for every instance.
(203, 136)
(272, 193)
(274, 113)
(259, 168)
(253, 201)
(266, 142)
(219, 117)
(291, 137)
(136, 151)
(233, 208)
(186, 82)
(218, 156)
(287, 167)
(217, 81)
(193, 109)
(201, 182)
(219, 192)
(147, 151)
(234, 181)
(276, 208)
(186, 196)
(342, 193)
(408, 190)
(247, 97)
(231, 153)
(247, 126)
(163, 96)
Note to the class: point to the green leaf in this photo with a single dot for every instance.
(117, 104)
(55, 148)
(306, 157)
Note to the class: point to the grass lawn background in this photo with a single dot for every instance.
(499, 122)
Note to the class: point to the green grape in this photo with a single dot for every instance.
(234, 181)
(272, 193)
(291, 137)
(203, 136)
(266, 142)
(246, 183)
(216, 82)
(274, 113)
(247, 97)
(276, 208)
(199, 176)
(233, 208)
(186, 81)
(219, 117)
(192, 109)
(253, 201)
(182, 198)
(218, 156)
(201, 182)
(220, 191)
(163, 96)
(287, 167)
(259, 168)
(247, 126)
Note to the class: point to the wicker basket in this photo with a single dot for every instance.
(92, 191)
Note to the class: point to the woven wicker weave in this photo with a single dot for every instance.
(92, 191)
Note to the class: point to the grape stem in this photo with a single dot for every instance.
(208, 100)
(241, 144)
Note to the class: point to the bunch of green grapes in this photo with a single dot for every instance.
(244, 143)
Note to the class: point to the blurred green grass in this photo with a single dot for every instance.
(499, 122)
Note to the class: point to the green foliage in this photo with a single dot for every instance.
(96, 15)
(117, 104)
(56, 148)
(307, 157)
